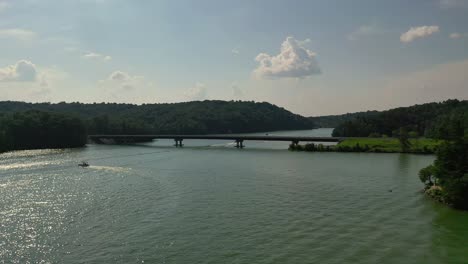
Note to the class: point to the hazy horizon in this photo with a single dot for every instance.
(311, 58)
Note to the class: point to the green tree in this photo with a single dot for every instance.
(38, 129)
(426, 175)
(403, 138)
(450, 173)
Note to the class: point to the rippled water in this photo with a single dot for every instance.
(211, 203)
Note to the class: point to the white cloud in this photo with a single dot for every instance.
(17, 33)
(436, 83)
(455, 35)
(96, 56)
(92, 55)
(196, 93)
(293, 61)
(121, 86)
(235, 51)
(27, 81)
(123, 79)
(44, 82)
(119, 76)
(21, 71)
(418, 32)
(363, 31)
(48, 83)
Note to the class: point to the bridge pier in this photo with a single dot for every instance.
(239, 143)
(178, 142)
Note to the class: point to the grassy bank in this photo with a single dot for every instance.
(379, 145)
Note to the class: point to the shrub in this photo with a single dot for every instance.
(310, 147)
(413, 134)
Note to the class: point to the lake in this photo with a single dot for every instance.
(209, 202)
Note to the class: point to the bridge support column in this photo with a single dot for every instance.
(178, 142)
(239, 143)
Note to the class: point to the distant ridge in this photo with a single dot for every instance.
(197, 117)
(436, 120)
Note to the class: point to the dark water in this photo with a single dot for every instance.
(211, 203)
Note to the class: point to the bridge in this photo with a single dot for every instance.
(178, 139)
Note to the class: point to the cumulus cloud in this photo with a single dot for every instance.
(293, 61)
(363, 31)
(123, 80)
(119, 76)
(97, 56)
(196, 93)
(121, 86)
(21, 71)
(26, 81)
(418, 32)
(455, 35)
(17, 33)
(44, 82)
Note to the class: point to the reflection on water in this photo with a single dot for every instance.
(449, 240)
(404, 161)
(25, 165)
(211, 203)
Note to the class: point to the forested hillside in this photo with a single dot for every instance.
(199, 117)
(436, 120)
(332, 121)
(36, 130)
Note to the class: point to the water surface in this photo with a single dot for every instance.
(211, 203)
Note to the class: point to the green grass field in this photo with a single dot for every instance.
(390, 145)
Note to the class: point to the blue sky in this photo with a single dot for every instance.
(311, 57)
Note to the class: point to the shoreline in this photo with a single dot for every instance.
(373, 145)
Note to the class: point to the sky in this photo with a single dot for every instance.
(312, 57)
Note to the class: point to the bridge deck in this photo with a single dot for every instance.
(221, 137)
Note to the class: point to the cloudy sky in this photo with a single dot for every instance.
(311, 57)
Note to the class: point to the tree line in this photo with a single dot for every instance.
(433, 120)
(446, 179)
(46, 125)
(38, 129)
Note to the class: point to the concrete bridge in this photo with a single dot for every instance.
(178, 139)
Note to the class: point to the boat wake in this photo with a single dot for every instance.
(109, 168)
